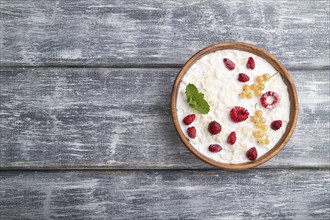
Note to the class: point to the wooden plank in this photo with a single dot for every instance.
(266, 194)
(120, 118)
(159, 32)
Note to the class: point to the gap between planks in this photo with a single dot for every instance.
(136, 66)
(104, 169)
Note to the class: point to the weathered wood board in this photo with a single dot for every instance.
(76, 118)
(53, 117)
(259, 194)
(150, 33)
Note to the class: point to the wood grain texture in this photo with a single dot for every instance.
(153, 33)
(94, 118)
(120, 118)
(266, 194)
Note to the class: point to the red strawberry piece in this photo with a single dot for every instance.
(214, 127)
(250, 63)
(191, 132)
(229, 64)
(189, 119)
(267, 103)
(243, 77)
(252, 153)
(214, 148)
(239, 114)
(275, 125)
(231, 138)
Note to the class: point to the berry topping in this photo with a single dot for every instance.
(250, 63)
(239, 114)
(252, 153)
(259, 134)
(275, 125)
(266, 77)
(267, 103)
(258, 93)
(261, 128)
(215, 148)
(259, 79)
(264, 141)
(246, 92)
(214, 127)
(189, 119)
(229, 64)
(256, 88)
(191, 132)
(232, 138)
(243, 77)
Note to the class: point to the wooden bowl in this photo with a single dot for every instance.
(286, 78)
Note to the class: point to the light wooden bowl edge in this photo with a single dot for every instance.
(292, 95)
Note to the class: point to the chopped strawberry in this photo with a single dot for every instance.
(252, 153)
(250, 63)
(229, 64)
(189, 119)
(243, 77)
(270, 104)
(214, 148)
(275, 125)
(214, 127)
(231, 138)
(191, 132)
(239, 114)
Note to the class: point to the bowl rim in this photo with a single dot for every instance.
(286, 78)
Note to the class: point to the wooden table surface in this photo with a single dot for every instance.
(85, 123)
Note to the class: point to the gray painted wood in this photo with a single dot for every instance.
(156, 32)
(77, 118)
(263, 194)
(62, 118)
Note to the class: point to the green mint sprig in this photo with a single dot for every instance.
(196, 99)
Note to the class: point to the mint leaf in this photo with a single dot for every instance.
(191, 90)
(196, 99)
(202, 105)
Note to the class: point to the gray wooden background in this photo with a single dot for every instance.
(85, 124)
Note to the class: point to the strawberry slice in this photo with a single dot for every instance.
(250, 63)
(189, 119)
(275, 125)
(252, 154)
(214, 127)
(231, 138)
(214, 148)
(243, 77)
(229, 64)
(191, 132)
